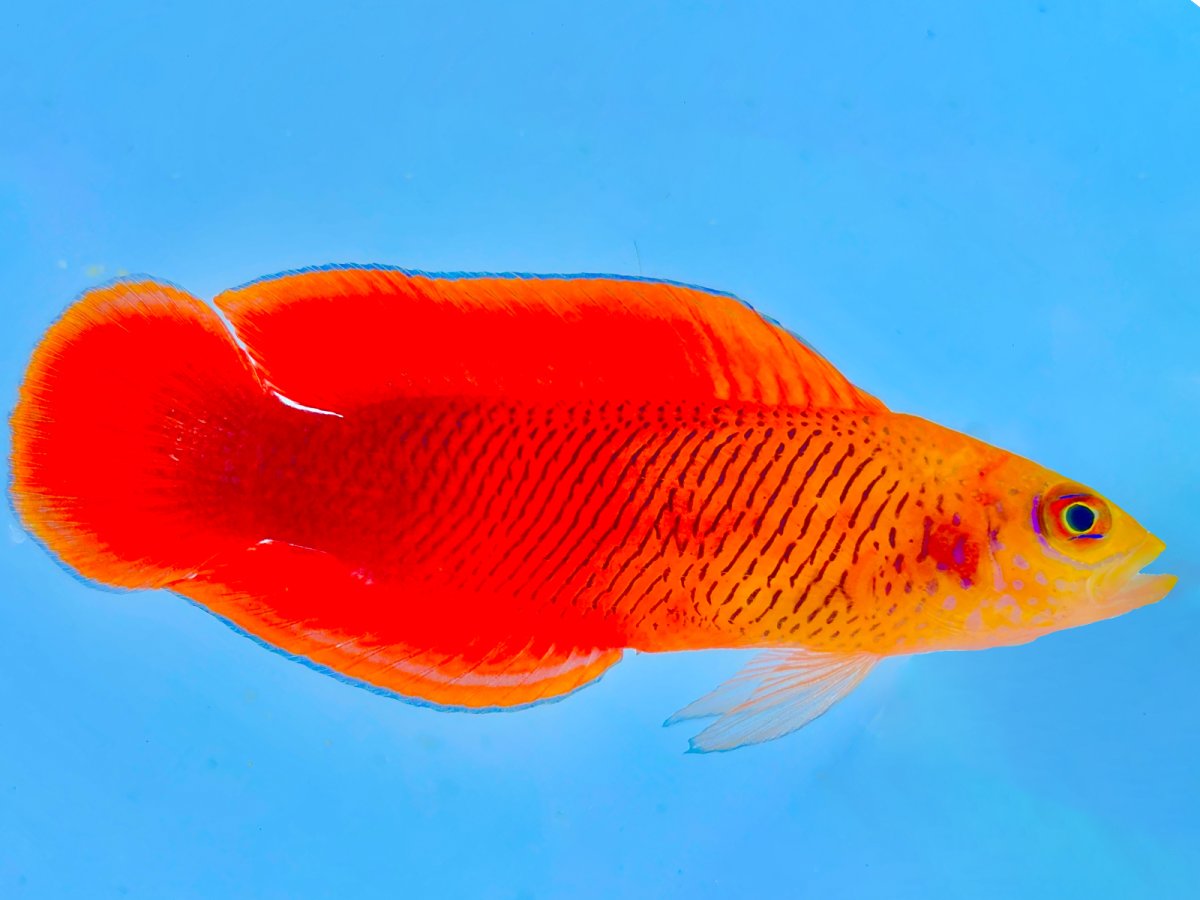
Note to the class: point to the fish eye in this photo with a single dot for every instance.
(1075, 515)
(1079, 518)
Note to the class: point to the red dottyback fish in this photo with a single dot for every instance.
(478, 491)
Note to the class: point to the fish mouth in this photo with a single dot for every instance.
(1125, 586)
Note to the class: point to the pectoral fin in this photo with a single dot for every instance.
(776, 693)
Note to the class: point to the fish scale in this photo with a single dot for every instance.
(480, 483)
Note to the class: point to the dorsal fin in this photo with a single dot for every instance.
(337, 337)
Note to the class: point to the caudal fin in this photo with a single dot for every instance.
(127, 434)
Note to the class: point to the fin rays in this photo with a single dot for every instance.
(776, 693)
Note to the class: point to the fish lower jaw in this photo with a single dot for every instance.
(1142, 589)
(1127, 587)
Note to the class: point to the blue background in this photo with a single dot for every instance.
(987, 214)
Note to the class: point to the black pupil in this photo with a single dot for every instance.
(1080, 518)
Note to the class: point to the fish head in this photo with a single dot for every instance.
(998, 550)
(1089, 553)
(1054, 554)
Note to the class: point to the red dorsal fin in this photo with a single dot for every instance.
(311, 605)
(337, 337)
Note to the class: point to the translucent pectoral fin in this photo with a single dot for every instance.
(776, 693)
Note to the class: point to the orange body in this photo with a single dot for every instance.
(479, 491)
(611, 525)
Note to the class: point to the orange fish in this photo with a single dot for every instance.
(479, 491)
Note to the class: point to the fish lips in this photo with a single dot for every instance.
(1123, 586)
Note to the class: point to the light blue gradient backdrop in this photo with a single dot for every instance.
(987, 214)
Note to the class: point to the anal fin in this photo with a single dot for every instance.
(314, 607)
(777, 692)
